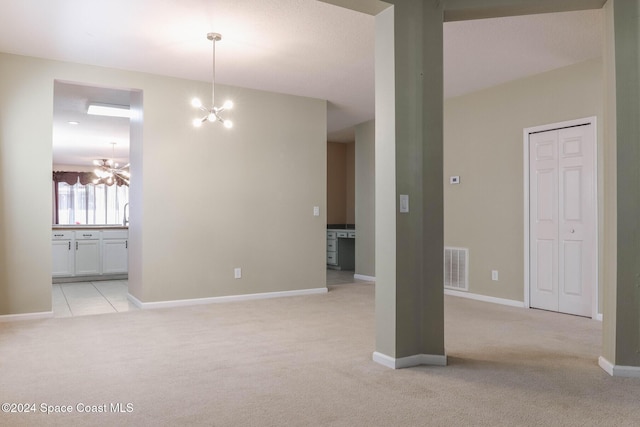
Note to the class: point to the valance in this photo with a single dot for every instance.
(85, 178)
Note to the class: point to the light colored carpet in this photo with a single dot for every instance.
(306, 361)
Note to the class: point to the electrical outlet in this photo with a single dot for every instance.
(237, 273)
(494, 275)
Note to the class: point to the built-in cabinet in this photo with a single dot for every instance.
(63, 253)
(115, 248)
(341, 249)
(87, 255)
(89, 252)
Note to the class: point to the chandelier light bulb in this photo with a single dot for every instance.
(228, 124)
(228, 104)
(196, 103)
(197, 122)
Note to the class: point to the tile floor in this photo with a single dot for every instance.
(83, 298)
(110, 296)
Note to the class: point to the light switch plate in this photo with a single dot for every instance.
(494, 275)
(404, 203)
(316, 211)
(237, 273)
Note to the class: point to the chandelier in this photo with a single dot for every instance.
(109, 172)
(212, 114)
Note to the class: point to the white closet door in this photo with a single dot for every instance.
(562, 216)
(543, 192)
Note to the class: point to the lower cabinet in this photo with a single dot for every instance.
(115, 252)
(63, 254)
(90, 253)
(87, 253)
(341, 249)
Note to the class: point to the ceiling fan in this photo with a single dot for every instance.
(109, 172)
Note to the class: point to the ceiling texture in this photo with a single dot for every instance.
(299, 47)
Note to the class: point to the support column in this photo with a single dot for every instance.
(409, 136)
(621, 329)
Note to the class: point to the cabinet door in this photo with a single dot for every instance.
(115, 256)
(87, 257)
(62, 254)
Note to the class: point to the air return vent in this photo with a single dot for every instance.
(456, 273)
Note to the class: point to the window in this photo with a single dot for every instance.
(86, 203)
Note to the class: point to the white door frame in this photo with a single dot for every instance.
(585, 121)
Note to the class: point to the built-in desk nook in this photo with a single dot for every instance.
(341, 245)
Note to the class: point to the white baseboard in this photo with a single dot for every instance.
(485, 298)
(618, 370)
(363, 277)
(26, 316)
(409, 361)
(229, 298)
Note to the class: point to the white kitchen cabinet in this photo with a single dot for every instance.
(91, 253)
(63, 254)
(88, 253)
(115, 252)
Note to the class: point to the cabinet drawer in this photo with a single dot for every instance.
(352, 235)
(332, 258)
(331, 234)
(62, 235)
(87, 235)
(342, 234)
(332, 245)
(115, 234)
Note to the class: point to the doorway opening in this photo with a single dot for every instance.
(90, 194)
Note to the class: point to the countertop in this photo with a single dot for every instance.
(89, 227)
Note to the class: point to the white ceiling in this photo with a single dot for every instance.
(300, 47)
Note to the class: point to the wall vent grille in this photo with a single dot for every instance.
(456, 271)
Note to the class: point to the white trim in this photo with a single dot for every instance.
(26, 316)
(363, 277)
(525, 137)
(484, 298)
(409, 361)
(228, 298)
(617, 370)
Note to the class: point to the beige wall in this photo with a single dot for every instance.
(350, 182)
(365, 199)
(340, 183)
(483, 144)
(204, 200)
